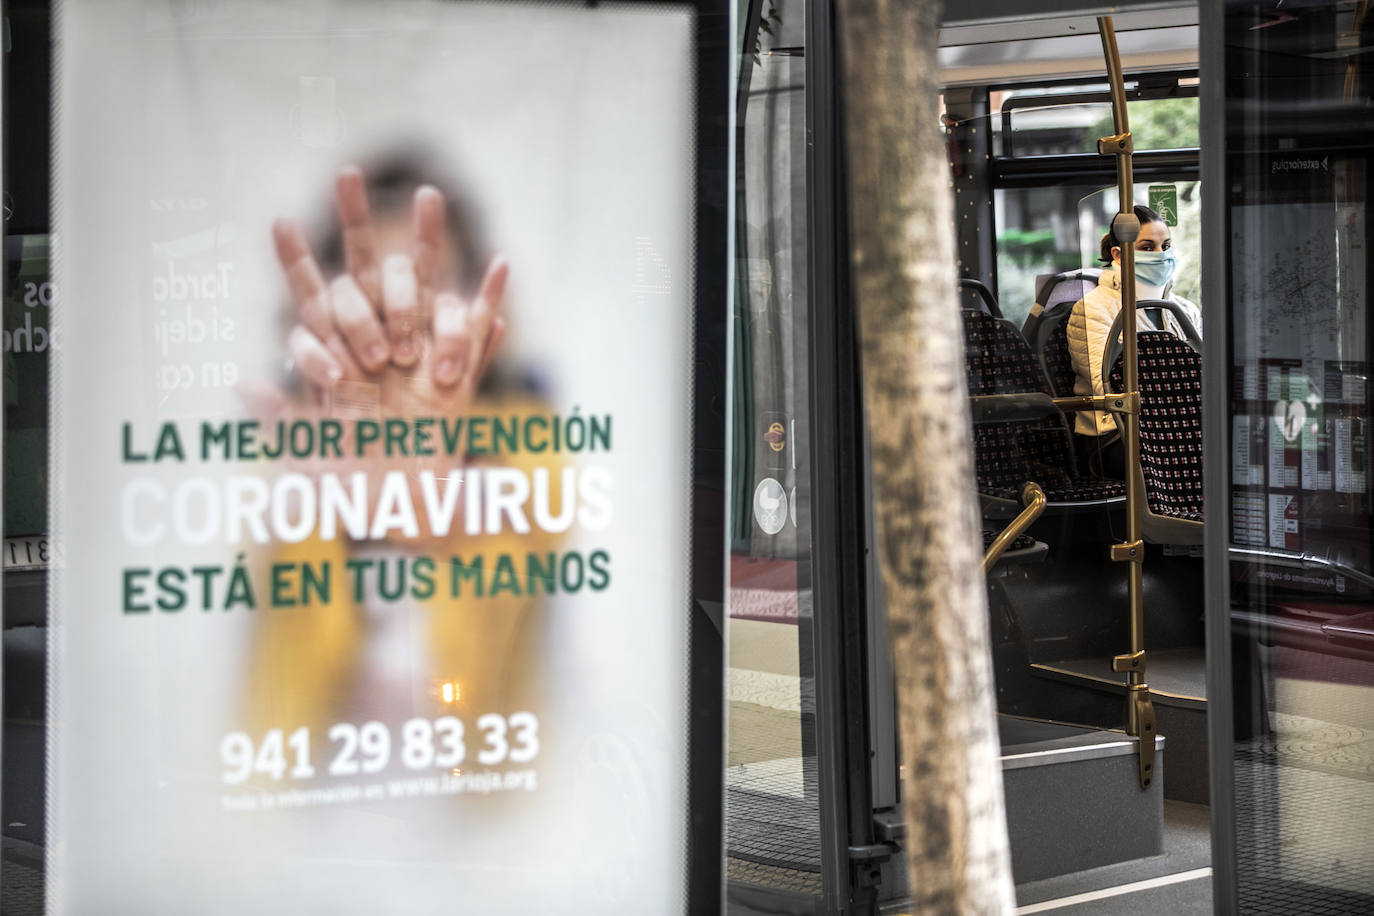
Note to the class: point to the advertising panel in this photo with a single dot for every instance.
(373, 450)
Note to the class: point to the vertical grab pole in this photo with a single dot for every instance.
(1140, 714)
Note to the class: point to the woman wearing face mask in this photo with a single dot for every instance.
(1098, 438)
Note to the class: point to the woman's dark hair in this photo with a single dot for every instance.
(1110, 241)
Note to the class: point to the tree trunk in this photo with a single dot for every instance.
(924, 498)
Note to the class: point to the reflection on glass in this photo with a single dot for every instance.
(30, 298)
(1300, 521)
(771, 804)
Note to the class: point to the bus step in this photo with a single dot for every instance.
(1177, 681)
(1074, 800)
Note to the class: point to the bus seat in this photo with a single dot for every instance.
(1046, 327)
(1056, 291)
(1052, 347)
(978, 292)
(1170, 376)
(1021, 542)
(1022, 551)
(996, 357)
(1032, 445)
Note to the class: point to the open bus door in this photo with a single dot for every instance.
(1289, 135)
(1286, 174)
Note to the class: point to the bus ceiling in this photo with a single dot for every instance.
(996, 42)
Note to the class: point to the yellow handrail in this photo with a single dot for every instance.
(1033, 498)
(1140, 714)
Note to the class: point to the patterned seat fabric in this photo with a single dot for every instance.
(997, 359)
(1008, 454)
(1021, 543)
(1086, 490)
(1170, 424)
(1058, 362)
(1049, 340)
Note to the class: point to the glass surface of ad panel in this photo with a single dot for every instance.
(30, 298)
(1300, 157)
(373, 445)
(772, 791)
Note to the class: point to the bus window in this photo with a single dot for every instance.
(1045, 143)
(1042, 125)
(1048, 230)
(1178, 203)
(1037, 234)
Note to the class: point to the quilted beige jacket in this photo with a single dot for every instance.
(1089, 324)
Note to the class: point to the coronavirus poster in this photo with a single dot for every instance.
(371, 433)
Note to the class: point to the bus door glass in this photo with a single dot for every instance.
(773, 843)
(1299, 162)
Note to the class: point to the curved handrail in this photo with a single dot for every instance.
(1033, 498)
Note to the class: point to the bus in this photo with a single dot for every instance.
(1251, 139)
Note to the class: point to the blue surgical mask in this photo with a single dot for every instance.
(1155, 268)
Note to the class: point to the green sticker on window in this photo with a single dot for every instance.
(1164, 201)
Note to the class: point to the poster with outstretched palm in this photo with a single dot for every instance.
(372, 457)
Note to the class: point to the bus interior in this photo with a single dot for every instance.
(1248, 666)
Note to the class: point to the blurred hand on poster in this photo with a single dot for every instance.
(388, 320)
(390, 336)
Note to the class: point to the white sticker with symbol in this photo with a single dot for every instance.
(770, 505)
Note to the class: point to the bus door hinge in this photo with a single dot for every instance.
(867, 863)
(873, 852)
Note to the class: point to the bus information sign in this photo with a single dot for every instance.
(1164, 201)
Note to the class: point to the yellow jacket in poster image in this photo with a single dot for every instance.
(465, 643)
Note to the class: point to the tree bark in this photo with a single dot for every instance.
(904, 275)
